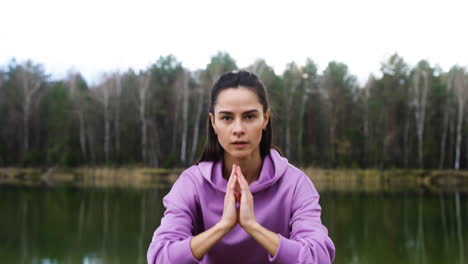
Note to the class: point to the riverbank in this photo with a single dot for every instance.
(346, 180)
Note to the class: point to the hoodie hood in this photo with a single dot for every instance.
(273, 168)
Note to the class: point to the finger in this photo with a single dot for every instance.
(234, 168)
(242, 178)
(231, 179)
(241, 184)
(231, 186)
(230, 195)
(239, 172)
(234, 182)
(244, 186)
(233, 171)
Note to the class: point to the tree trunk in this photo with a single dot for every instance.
(300, 129)
(175, 128)
(289, 115)
(406, 147)
(78, 106)
(144, 143)
(106, 132)
(26, 107)
(459, 137)
(445, 122)
(92, 145)
(451, 138)
(153, 145)
(30, 86)
(143, 87)
(82, 136)
(459, 86)
(367, 140)
(419, 95)
(443, 139)
(332, 141)
(185, 97)
(118, 89)
(198, 117)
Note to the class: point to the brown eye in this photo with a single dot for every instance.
(227, 118)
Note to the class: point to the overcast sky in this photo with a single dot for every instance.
(97, 36)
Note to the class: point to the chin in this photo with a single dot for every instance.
(240, 153)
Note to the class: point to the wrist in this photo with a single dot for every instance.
(251, 227)
(223, 227)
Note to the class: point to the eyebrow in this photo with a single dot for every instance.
(246, 112)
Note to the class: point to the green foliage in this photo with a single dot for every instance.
(319, 118)
(59, 126)
(220, 63)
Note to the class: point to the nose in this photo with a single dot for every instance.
(238, 129)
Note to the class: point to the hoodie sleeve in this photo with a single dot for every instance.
(309, 241)
(171, 240)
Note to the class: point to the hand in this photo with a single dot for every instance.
(246, 208)
(230, 215)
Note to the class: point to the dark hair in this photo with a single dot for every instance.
(212, 150)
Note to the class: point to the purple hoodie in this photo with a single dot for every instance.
(285, 202)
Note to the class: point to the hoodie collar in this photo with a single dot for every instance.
(273, 168)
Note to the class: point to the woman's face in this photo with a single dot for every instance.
(238, 121)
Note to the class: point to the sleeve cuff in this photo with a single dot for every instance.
(180, 252)
(288, 251)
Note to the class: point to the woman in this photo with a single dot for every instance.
(243, 202)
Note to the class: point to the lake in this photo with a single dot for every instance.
(46, 225)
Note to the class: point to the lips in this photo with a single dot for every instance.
(239, 142)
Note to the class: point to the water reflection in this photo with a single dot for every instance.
(70, 225)
(86, 260)
(397, 227)
(459, 229)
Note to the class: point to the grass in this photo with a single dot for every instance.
(341, 180)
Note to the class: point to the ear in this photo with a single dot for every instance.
(212, 120)
(266, 117)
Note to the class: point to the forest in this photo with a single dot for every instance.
(403, 117)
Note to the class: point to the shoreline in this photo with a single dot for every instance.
(332, 180)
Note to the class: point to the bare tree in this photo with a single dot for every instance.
(309, 86)
(406, 131)
(418, 98)
(293, 74)
(117, 91)
(330, 92)
(201, 90)
(143, 91)
(446, 109)
(103, 95)
(78, 99)
(460, 87)
(176, 148)
(29, 79)
(185, 97)
(366, 94)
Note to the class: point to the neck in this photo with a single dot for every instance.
(251, 166)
